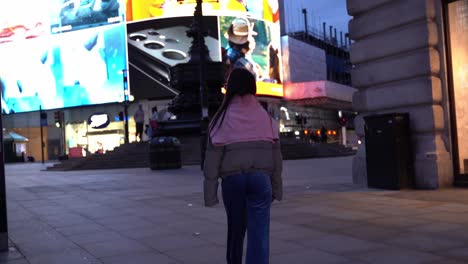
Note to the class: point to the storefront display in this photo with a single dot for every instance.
(457, 16)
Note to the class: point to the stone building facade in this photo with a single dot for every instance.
(401, 57)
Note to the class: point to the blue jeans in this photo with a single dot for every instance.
(247, 199)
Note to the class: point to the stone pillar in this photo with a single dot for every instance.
(399, 66)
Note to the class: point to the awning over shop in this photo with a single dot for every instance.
(12, 136)
(321, 94)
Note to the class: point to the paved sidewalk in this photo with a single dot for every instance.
(139, 216)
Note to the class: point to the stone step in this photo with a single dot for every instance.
(136, 155)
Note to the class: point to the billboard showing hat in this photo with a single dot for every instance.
(240, 31)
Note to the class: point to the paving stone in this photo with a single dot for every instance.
(330, 224)
(297, 233)
(45, 244)
(449, 217)
(172, 242)
(339, 244)
(76, 256)
(204, 254)
(98, 211)
(392, 255)
(309, 255)
(423, 242)
(278, 246)
(65, 219)
(215, 238)
(148, 211)
(370, 232)
(115, 247)
(17, 261)
(460, 253)
(140, 258)
(10, 255)
(81, 229)
(143, 232)
(400, 222)
(101, 236)
(19, 215)
(460, 234)
(120, 223)
(447, 261)
(437, 228)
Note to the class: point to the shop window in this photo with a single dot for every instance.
(457, 33)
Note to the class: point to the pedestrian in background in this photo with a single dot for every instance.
(153, 122)
(139, 118)
(323, 134)
(244, 152)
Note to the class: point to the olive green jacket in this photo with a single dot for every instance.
(236, 158)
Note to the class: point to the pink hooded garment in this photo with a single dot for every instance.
(245, 120)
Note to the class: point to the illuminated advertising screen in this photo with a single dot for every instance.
(262, 56)
(240, 33)
(67, 15)
(258, 9)
(81, 68)
(66, 53)
(58, 53)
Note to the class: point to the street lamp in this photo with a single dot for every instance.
(199, 82)
(3, 202)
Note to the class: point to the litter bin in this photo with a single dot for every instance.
(165, 153)
(388, 151)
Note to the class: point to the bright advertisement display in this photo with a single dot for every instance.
(258, 50)
(258, 9)
(156, 46)
(242, 33)
(42, 66)
(67, 15)
(66, 53)
(23, 19)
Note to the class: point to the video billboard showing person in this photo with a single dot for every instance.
(252, 44)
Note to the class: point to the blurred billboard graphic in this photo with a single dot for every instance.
(67, 53)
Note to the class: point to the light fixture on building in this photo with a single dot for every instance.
(285, 110)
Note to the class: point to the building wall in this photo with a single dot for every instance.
(399, 60)
(33, 146)
(302, 62)
(28, 125)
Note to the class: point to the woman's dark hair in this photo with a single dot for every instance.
(240, 82)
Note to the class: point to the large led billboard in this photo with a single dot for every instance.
(66, 53)
(61, 53)
(157, 41)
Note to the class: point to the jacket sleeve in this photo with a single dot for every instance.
(277, 180)
(213, 157)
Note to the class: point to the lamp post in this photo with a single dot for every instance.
(199, 53)
(199, 82)
(3, 202)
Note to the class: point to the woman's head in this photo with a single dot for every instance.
(240, 82)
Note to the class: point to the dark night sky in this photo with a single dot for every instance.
(333, 12)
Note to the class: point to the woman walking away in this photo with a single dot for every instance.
(244, 152)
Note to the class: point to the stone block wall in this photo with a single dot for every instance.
(399, 66)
